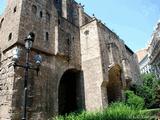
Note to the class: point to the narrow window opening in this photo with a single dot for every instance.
(68, 41)
(10, 37)
(47, 36)
(15, 9)
(59, 22)
(48, 16)
(34, 9)
(0, 59)
(1, 22)
(41, 14)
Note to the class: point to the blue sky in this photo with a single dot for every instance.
(2, 6)
(132, 20)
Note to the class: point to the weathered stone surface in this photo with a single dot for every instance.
(76, 49)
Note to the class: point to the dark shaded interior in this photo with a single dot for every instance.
(114, 92)
(114, 85)
(69, 95)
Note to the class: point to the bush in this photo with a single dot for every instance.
(133, 100)
(148, 90)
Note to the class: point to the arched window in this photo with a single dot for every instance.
(48, 16)
(10, 37)
(0, 59)
(59, 21)
(41, 14)
(15, 9)
(34, 9)
(1, 22)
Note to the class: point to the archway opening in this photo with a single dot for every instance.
(70, 92)
(114, 86)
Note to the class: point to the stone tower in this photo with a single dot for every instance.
(85, 64)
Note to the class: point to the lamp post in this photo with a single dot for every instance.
(38, 59)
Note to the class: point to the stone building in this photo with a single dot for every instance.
(85, 64)
(154, 51)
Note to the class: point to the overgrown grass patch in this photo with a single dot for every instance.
(116, 111)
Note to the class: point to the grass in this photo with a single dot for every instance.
(116, 111)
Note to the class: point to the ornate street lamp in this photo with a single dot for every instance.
(38, 60)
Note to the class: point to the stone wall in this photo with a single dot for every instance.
(6, 85)
(91, 65)
(9, 29)
(40, 18)
(69, 42)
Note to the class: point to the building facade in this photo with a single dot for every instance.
(154, 51)
(145, 67)
(144, 61)
(85, 64)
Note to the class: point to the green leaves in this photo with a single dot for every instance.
(133, 100)
(116, 111)
(148, 90)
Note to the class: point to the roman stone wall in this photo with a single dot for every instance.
(42, 89)
(91, 65)
(6, 85)
(41, 19)
(69, 42)
(72, 12)
(9, 24)
(111, 55)
(134, 69)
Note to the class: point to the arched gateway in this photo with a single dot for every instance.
(70, 92)
(114, 85)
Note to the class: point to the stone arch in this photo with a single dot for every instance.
(114, 86)
(69, 92)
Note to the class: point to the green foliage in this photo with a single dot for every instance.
(133, 100)
(121, 111)
(116, 111)
(148, 89)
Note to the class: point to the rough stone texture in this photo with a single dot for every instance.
(73, 45)
(6, 86)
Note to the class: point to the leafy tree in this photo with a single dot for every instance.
(148, 90)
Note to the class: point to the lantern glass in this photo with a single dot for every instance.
(28, 43)
(29, 40)
(38, 59)
(16, 54)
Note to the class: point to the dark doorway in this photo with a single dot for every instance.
(114, 85)
(69, 94)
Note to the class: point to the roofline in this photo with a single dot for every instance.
(129, 49)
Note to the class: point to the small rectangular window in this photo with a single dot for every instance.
(47, 36)
(10, 37)
(15, 9)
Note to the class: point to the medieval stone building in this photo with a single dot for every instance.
(85, 64)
